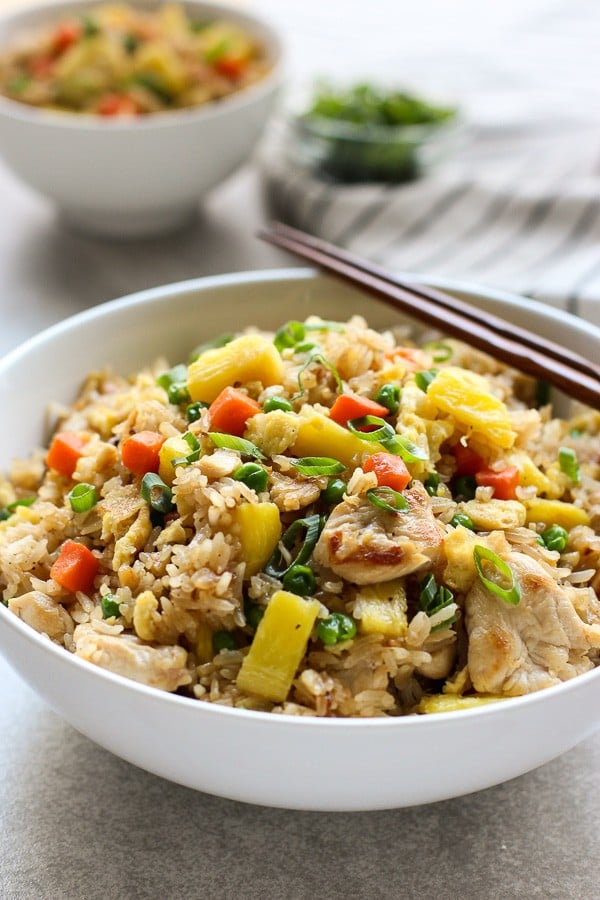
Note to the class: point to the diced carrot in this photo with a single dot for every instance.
(118, 105)
(66, 34)
(414, 357)
(64, 452)
(230, 411)
(352, 406)
(467, 461)
(504, 482)
(140, 452)
(75, 568)
(390, 470)
(230, 66)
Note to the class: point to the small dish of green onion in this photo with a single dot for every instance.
(364, 133)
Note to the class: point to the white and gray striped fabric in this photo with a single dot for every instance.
(516, 206)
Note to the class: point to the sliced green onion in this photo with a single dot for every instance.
(299, 580)
(277, 403)
(387, 498)
(462, 519)
(194, 445)
(156, 493)
(289, 335)
(318, 358)
(110, 606)
(439, 350)
(389, 396)
(223, 640)
(312, 526)
(464, 487)
(334, 492)
(219, 341)
(510, 595)
(130, 43)
(24, 501)
(423, 379)
(214, 53)
(567, 460)
(336, 628)
(433, 598)
(253, 475)
(18, 84)
(408, 450)
(176, 375)
(318, 465)
(382, 432)
(555, 538)
(432, 483)
(90, 27)
(82, 497)
(155, 85)
(230, 442)
(194, 410)
(306, 347)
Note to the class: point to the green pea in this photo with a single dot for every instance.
(274, 403)
(253, 475)
(194, 410)
(300, 580)
(389, 396)
(432, 483)
(223, 640)
(555, 538)
(464, 520)
(334, 492)
(178, 393)
(336, 628)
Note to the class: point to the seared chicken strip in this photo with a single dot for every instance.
(124, 654)
(514, 650)
(366, 545)
(43, 613)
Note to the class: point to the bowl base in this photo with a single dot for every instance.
(124, 225)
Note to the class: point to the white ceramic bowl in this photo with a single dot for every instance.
(269, 759)
(122, 177)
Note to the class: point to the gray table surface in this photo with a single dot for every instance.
(78, 823)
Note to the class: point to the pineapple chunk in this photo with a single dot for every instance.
(247, 358)
(158, 60)
(173, 448)
(555, 512)
(319, 435)
(381, 609)
(529, 472)
(278, 646)
(466, 397)
(259, 527)
(438, 703)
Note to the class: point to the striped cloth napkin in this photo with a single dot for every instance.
(516, 206)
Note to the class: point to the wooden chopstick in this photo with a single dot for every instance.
(573, 374)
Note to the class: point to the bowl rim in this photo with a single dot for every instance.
(271, 80)
(282, 720)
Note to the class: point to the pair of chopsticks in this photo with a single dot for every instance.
(530, 353)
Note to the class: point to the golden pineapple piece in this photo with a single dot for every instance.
(381, 609)
(247, 358)
(555, 512)
(259, 527)
(278, 646)
(440, 703)
(172, 449)
(466, 397)
(318, 435)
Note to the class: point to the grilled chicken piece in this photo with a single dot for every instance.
(125, 654)
(366, 545)
(42, 613)
(515, 650)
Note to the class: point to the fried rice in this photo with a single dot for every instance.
(325, 521)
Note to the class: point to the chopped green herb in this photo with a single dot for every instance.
(433, 598)
(289, 335)
(512, 594)
(278, 564)
(110, 607)
(424, 378)
(389, 396)
(230, 442)
(318, 358)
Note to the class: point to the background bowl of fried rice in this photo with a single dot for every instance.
(127, 176)
(270, 759)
